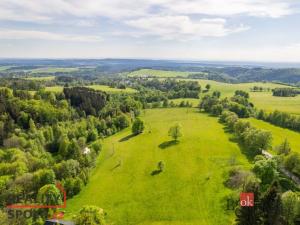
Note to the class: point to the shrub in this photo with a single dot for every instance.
(90, 215)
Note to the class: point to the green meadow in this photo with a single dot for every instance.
(53, 69)
(111, 90)
(262, 100)
(190, 189)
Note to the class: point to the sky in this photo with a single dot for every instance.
(225, 30)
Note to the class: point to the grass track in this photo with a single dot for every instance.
(190, 191)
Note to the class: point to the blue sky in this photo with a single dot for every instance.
(238, 30)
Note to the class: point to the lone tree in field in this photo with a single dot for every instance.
(175, 132)
(207, 87)
(160, 166)
(137, 126)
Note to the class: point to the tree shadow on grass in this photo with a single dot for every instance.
(167, 144)
(127, 137)
(155, 172)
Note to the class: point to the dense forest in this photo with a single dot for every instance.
(47, 137)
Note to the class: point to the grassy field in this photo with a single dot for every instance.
(96, 87)
(279, 134)
(2, 68)
(55, 88)
(189, 191)
(159, 73)
(111, 90)
(262, 100)
(53, 69)
(47, 78)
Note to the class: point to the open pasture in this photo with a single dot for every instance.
(190, 189)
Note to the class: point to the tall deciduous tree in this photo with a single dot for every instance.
(175, 132)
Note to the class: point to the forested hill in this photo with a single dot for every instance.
(232, 72)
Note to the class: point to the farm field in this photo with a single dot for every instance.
(279, 134)
(111, 90)
(96, 87)
(47, 78)
(189, 191)
(159, 73)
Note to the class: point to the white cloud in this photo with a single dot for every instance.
(168, 19)
(116, 9)
(42, 35)
(259, 8)
(182, 27)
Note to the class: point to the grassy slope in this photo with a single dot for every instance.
(189, 191)
(279, 134)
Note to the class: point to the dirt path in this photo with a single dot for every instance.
(283, 170)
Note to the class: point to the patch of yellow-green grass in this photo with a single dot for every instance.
(110, 89)
(55, 88)
(47, 78)
(159, 73)
(265, 100)
(189, 191)
(279, 134)
(53, 69)
(228, 90)
(2, 68)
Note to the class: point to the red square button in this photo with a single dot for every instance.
(247, 199)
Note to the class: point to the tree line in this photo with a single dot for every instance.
(285, 92)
